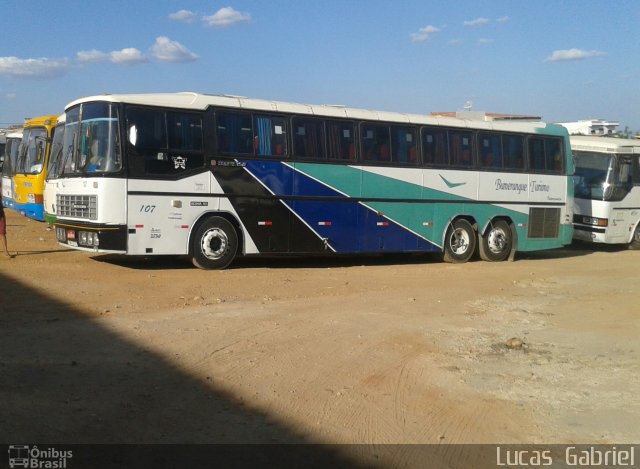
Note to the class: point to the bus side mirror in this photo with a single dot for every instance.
(133, 135)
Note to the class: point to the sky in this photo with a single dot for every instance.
(562, 60)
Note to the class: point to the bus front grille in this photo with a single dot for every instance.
(77, 206)
(544, 222)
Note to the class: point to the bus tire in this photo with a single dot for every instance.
(460, 242)
(635, 240)
(214, 244)
(495, 245)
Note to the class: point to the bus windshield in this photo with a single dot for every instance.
(32, 154)
(55, 157)
(91, 140)
(11, 156)
(601, 176)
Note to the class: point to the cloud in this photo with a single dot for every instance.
(478, 22)
(424, 34)
(127, 56)
(166, 50)
(92, 55)
(503, 19)
(483, 41)
(573, 54)
(183, 16)
(226, 17)
(41, 68)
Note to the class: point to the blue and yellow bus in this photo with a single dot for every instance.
(216, 177)
(31, 167)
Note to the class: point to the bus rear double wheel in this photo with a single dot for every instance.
(495, 245)
(214, 244)
(461, 242)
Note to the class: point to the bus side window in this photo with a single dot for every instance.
(434, 146)
(403, 145)
(375, 142)
(308, 138)
(270, 136)
(490, 150)
(234, 133)
(185, 141)
(340, 144)
(536, 154)
(553, 155)
(460, 148)
(513, 146)
(635, 172)
(147, 142)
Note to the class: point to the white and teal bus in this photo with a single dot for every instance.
(607, 190)
(215, 177)
(53, 170)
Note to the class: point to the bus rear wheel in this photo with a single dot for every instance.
(214, 244)
(635, 241)
(460, 242)
(495, 245)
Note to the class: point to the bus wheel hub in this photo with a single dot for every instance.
(214, 243)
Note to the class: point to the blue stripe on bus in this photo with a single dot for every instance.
(30, 210)
(347, 225)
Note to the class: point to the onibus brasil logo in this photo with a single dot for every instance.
(34, 457)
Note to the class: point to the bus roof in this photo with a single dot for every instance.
(190, 100)
(604, 144)
(48, 120)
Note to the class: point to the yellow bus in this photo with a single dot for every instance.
(31, 167)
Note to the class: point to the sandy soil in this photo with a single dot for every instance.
(397, 349)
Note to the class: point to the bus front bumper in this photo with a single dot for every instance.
(92, 237)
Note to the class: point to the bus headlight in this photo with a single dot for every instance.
(88, 238)
(595, 221)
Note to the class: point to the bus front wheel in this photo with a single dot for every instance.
(214, 244)
(460, 242)
(495, 245)
(635, 241)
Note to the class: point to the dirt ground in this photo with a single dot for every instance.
(395, 349)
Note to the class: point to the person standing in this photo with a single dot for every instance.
(3, 233)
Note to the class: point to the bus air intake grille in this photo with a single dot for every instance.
(77, 206)
(544, 222)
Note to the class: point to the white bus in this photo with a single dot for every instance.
(14, 139)
(607, 190)
(215, 177)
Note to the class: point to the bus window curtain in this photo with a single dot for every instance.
(334, 142)
(233, 126)
(311, 142)
(401, 151)
(263, 128)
